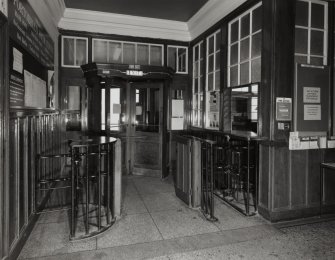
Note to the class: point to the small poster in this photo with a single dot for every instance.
(17, 60)
(283, 109)
(312, 112)
(312, 95)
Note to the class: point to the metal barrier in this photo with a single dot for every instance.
(207, 178)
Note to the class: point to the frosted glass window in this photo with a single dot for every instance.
(103, 109)
(142, 54)
(115, 52)
(115, 109)
(156, 55)
(129, 53)
(197, 86)
(177, 58)
(100, 51)
(74, 51)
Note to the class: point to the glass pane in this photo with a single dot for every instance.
(256, 45)
(172, 53)
(300, 59)
(103, 110)
(317, 42)
(100, 51)
(128, 53)
(196, 53)
(233, 76)
(142, 54)
(182, 59)
(244, 73)
(68, 51)
(218, 41)
(210, 82)
(301, 17)
(81, 52)
(245, 50)
(245, 26)
(256, 70)
(200, 84)
(195, 101)
(301, 40)
(210, 63)
(115, 109)
(211, 45)
(234, 54)
(156, 55)
(217, 80)
(318, 16)
(201, 68)
(115, 51)
(196, 69)
(316, 61)
(196, 83)
(257, 19)
(234, 32)
(217, 61)
(201, 48)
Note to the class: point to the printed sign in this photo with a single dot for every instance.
(312, 95)
(16, 91)
(312, 112)
(283, 109)
(17, 60)
(26, 29)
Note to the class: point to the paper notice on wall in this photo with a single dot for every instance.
(17, 61)
(312, 112)
(312, 95)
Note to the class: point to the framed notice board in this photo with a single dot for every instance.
(311, 98)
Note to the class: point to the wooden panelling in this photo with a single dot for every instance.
(313, 177)
(281, 178)
(264, 172)
(298, 175)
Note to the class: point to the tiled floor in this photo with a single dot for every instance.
(157, 225)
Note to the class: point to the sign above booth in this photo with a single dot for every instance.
(27, 30)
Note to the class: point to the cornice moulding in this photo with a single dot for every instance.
(100, 22)
(212, 12)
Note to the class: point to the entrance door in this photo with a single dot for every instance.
(133, 112)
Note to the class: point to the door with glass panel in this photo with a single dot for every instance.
(133, 112)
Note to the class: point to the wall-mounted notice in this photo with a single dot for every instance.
(35, 91)
(17, 60)
(16, 91)
(311, 99)
(312, 95)
(283, 109)
(26, 29)
(312, 112)
(3, 7)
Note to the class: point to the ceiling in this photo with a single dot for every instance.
(177, 10)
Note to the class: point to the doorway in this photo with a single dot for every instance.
(134, 112)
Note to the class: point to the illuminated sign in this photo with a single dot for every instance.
(137, 73)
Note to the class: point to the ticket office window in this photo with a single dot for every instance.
(74, 51)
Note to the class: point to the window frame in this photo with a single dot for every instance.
(75, 38)
(200, 92)
(129, 42)
(238, 42)
(309, 29)
(216, 50)
(177, 47)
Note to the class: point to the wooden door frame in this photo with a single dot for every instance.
(4, 137)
